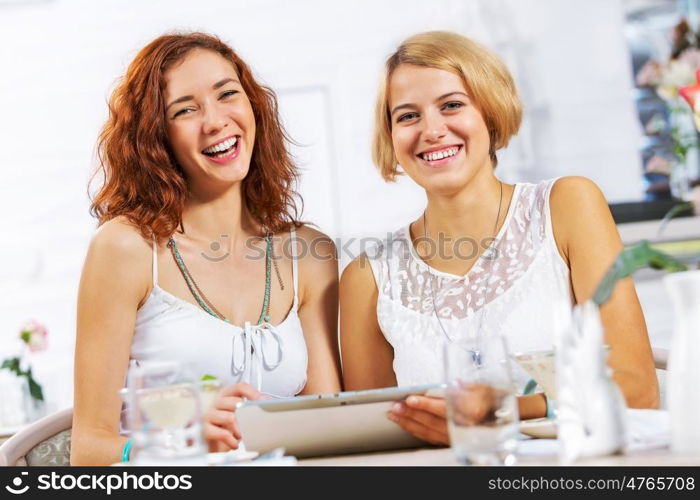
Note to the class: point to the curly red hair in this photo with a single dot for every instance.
(142, 180)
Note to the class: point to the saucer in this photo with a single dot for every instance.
(541, 428)
(230, 457)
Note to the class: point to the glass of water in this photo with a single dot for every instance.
(165, 407)
(482, 403)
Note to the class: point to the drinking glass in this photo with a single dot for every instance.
(164, 414)
(541, 366)
(482, 406)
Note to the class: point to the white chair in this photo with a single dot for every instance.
(45, 442)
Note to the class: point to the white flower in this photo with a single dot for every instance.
(691, 57)
(34, 334)
(676, 74)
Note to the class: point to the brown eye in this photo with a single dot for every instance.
(406, 117)
(183, 111)
(228, 93)
(453, 105)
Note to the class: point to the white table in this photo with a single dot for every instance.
(535, 452)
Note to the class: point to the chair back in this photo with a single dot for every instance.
(45, 442)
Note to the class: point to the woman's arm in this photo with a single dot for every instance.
(589, 242)
(318, 310)
(367, 356)
(114, 281)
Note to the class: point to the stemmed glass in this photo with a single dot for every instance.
(164, 414)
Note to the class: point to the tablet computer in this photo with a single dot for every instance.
(328, 424)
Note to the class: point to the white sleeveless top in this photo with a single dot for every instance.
(523, 293)
(272, 358)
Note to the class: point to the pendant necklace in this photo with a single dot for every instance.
(430, 270)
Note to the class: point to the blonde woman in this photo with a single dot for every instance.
(445, 107)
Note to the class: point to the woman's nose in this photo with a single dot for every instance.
(213, 121)
(434, 127)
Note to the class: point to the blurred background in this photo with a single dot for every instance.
(576, 65)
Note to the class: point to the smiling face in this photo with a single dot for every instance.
(209, 118)
(439, 137)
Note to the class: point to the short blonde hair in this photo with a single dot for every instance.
(487, 80)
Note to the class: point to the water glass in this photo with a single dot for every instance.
(164, 414)
(481, 400)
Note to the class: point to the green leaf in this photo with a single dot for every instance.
(11, 364)
(209, 377)
(628, 261)
(675, 210)
(25, 335)
(34, 388)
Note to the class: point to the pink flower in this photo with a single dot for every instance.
(657, 164)
(691, 57)
(34, 334)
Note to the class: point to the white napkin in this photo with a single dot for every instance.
(647, 429)
(590, 407)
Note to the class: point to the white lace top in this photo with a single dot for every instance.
(523, 292)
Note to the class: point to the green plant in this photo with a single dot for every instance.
(628, 261)
(13, 365)
(33, 337)
(675, 210)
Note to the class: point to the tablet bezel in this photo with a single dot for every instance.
(329, 424)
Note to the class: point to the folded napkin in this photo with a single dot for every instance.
(590, 407)
(647, 429)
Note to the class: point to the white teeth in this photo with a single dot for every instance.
(229, 143)
(439, 155)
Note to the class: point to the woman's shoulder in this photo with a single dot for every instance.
(119, 258)
(316, 253)
(572, 196)
(315, 242)
(387, 246)
(378, 251)
(118, 238)
(579, 212)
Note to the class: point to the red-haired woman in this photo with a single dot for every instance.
(197, 258)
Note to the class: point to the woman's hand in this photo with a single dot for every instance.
(220, 428)
(423, 416)
(426, 417)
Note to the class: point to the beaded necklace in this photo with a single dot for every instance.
(205, 304)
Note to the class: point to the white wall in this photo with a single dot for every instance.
(60, 58)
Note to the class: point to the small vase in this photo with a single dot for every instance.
(15, 406)
(36, 408)
(683, 396)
